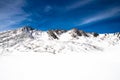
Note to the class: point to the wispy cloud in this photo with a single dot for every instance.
(48, 8)
(78, 4)
(11, 13)
(102, 15)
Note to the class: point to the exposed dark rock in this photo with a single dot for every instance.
(95, 34)
(75, 33)
(118, 34)
(52, 34)
(83, 33)
(105, 34)
(59, 32)
(27, 29)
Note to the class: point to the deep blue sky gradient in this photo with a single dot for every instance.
(90, 15)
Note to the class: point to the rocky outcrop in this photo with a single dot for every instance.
(76, 33)
(95, 34)
(52, 34)
(27, 29)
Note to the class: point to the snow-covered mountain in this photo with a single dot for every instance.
(28, 40)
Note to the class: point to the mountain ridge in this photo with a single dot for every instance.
(55, 41)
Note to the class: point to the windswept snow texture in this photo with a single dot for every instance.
(28, 41)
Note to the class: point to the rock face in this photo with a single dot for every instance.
(75, 32)
(59, 32)
(55, 33)
(95, 34)
(27, 29)
(52, 34)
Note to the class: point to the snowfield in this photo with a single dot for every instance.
(61, 67)
(28, 54)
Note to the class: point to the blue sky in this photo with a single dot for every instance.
(90, 15)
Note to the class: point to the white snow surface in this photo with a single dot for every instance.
(37, 56)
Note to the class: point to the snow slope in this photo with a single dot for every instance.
(29, 41)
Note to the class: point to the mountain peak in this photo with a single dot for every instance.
(27, 28)
(76, 32)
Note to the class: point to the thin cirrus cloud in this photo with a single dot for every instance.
(102, 15)
(11, 13)
(47, 8)
(78, 4)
